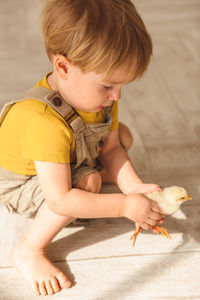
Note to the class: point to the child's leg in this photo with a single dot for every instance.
(29, 256)
(125, 136)
(126, 139)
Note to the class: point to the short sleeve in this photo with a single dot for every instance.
(114, 113)
(45, 138)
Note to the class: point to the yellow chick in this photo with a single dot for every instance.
(169, 200)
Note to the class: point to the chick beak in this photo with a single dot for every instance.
(187, 197)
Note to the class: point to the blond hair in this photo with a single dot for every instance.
(97, 35)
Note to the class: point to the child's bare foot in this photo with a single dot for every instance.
(37, 269)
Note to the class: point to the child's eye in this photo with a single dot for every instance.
(107, 87)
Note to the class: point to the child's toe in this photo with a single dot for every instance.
(55, 285)
(49, 287)
(64, 282)
(42, 288)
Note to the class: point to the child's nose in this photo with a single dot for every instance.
(115, 95)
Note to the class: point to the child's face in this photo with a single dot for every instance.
(89, 91)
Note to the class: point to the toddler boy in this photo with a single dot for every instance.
(62, 139)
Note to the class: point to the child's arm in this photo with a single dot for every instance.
(55, 180)
(118, 164)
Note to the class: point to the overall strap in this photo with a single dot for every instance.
(55, 100)
(51, 98)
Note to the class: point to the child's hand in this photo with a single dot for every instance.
(146, 188)
(142, 210)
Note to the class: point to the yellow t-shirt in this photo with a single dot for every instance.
(32, 130)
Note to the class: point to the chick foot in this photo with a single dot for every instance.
(163, 231)
(135, 234)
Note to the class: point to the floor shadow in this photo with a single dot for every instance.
(94, 232)
(137, 280)
(98, 230)
(162, 263)
(105, 229)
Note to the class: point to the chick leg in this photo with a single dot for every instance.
(135, 234)
(161, 230)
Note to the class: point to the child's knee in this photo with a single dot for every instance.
(125, 135)
(94, 182)
(91, 183)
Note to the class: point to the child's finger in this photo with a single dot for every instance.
(156, 188)
(154, 230)
(151, 188)
(146, 188)
(156, 216)
(161, 221)
(145, 226)
(157, 208)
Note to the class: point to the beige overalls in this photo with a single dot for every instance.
(22, 193)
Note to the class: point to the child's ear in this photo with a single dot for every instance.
(61, 66)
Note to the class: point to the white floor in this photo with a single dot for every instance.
(163, 112)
